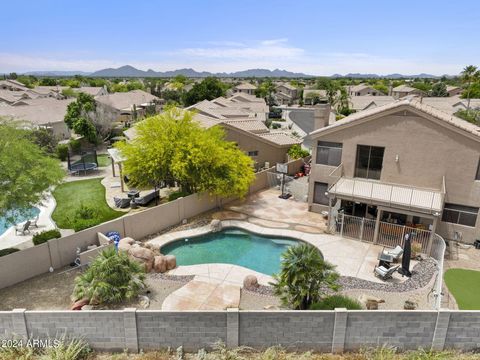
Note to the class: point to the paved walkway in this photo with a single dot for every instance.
(215, 287)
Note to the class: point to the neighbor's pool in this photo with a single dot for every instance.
(18, 218)
(232, 246)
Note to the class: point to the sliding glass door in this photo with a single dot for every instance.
(369, 162)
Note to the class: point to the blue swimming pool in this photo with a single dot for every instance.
(17, 218)
(232, 246)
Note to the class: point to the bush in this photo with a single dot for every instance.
(8, 251)
(62, 151)
(44, 236)
(177, 194)
(296, 152)
(336, 301)
(82, 224)
(110, 278)
(86, 212)
(276, 126)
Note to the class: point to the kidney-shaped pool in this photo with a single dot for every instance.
(232, 246)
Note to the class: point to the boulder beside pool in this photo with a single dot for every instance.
(125, 244)
(171, 262)
(250, 282)
(142, 255)
(215, 225)
(160, 264)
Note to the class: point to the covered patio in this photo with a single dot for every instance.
(383, 213)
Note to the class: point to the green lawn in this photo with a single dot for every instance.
(465, 287)
(103, 160)
(72, 195)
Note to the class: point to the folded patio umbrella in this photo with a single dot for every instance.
(407, 250)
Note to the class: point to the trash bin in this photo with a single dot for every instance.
(477, 244)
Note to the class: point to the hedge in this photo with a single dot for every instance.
(44, 236)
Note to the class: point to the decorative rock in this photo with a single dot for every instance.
(410, 305)
(215, 225)
(125, 244)
(372, 305)
(250, 282)
(171, 261)
(160, 264)
(142, 255)
(77, 305)
(144, 301)
(87, 307)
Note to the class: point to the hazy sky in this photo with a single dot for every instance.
(314, 37)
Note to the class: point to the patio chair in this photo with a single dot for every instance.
(122, 203)
(144, 200)
(385, 273)
(397, 252)
(23, 228)
(33, 222)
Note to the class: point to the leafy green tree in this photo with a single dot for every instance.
(45, 139)
(304, 277)
(210, 88)
(79, 116)
(439, 89)
(265, 89)
(332, 93)
(28, 80)
(69, 93)
(110, 278)
(296, 152)
(26, 172)
(48, 82)
(172, 96)
(425, 87)
(381, 87)
(172, 147)
(119, 88)
(469, 75)
(135, 85)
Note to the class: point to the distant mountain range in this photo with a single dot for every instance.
(130, 71)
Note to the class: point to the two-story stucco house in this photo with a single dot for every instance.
(404, 163)
(363, 90)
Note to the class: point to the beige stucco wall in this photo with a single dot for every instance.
(266, 151)
(427, 151)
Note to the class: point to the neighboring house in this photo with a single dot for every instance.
(454, 90)
(43, 112)
(363, 90)
(92, 90)
(450, 105)
(405, 163)
(285, 93)
(405, 90)
(12, 85)
(14, 98)
(310, 96)
(244, 126)
(359, 103)
(245, 88)
(128, 106)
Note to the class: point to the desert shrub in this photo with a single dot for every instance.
(44, 236)
(336, 301)
(110, 278)
(86, 212)
(62, 151)
(276, 126)
(67, 349)
(177, 194)
(8, 251)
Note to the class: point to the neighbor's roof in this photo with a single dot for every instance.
(90, 90)
(404, 88)
(359, 87)
(320, 93)
(253, 126)
(123, 100)
(280, 138)
(39, 111)
(362, 102)
(411, 102)
(287, 86)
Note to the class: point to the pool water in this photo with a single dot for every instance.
(232, 246)
(18, 218)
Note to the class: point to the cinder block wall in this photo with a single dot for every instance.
(324, 331)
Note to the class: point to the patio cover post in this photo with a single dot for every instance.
(113, 166)
(377, 226)
(122, 186)
(432, 234)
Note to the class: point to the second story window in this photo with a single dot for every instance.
(329, 153)
(253, 153)
(460, 214)
(369, 162)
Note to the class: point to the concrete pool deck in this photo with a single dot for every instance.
(10, 239)
(351, 257)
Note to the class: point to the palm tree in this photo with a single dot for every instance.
(331, 92)
(469, 74)
(111, 278)
(304, 277)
